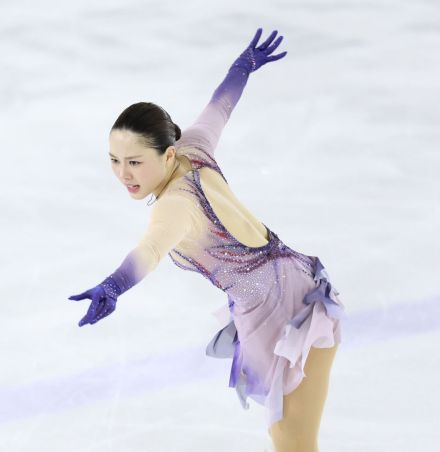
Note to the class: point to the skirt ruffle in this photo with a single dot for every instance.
(318, 324)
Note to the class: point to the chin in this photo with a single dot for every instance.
(139, 195)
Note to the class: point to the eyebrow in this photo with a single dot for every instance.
(127, 158)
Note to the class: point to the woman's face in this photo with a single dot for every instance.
(135, 164)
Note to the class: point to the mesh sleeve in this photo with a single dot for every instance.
(205, 132)
(172, 219)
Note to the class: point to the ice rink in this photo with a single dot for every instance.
(336, 147)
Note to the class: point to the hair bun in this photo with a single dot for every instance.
(177, 131)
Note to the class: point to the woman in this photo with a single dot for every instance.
(283, 316)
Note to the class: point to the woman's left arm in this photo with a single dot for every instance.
(206, 130)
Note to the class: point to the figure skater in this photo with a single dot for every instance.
(282, 320)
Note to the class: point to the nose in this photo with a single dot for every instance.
(124, 173)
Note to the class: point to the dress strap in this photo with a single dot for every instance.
(200, 158)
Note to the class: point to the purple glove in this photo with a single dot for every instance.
(230, 89)
(105, 294)
(254, 57)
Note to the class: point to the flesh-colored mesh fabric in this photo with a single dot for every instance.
(172, 219)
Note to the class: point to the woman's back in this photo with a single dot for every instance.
(233, 214)
(237, 219)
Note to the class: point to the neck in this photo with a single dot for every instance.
(172, 175)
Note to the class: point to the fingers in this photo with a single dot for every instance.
(103, 314)
(256, 38)
(276, 57)
(87, 318)
(81, 296)
(101, 308)
(268, 40)
(83, 321)
(92, 319)
(105, 307)
(91, 312)
(271, 48)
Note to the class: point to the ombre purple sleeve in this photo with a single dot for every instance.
(172, 218)
(131, 271)
(205, 132)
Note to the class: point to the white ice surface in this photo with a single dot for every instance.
(335, 147)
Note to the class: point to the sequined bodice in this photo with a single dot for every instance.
(239, 270)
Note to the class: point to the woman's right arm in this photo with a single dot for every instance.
(172, 218)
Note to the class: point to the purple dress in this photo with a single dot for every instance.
(280, 301)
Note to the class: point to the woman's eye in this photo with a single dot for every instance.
(131, 161)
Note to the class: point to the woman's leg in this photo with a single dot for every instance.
(303, 407)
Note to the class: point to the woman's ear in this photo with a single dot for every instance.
(170, 152)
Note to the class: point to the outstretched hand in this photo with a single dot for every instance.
(254, 57)
(105, 295)
(103, 304)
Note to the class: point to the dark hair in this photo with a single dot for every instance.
(151, 122)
